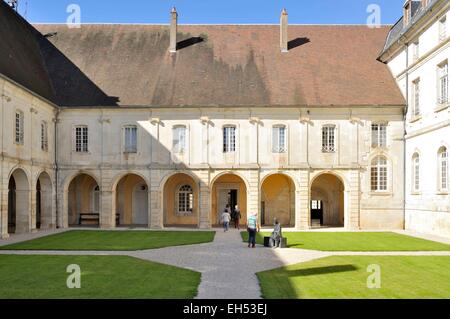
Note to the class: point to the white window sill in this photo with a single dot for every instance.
(441, 107)
(380, 193)
(415, 118)
(81, 153)
(442, 193)
(416, 193)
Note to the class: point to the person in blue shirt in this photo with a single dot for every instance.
(252, 228)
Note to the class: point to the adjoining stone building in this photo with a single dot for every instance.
(163, 126)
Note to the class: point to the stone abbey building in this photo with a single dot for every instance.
(163, 126)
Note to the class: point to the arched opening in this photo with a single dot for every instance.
(180, 201)
(44, 216)
(327, 201)
(132, 201)
(18, 203)
(278, 200)
(84, 201)
(228, 190)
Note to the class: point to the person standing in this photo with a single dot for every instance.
(226, 217)
(252, 228)
(237, 217)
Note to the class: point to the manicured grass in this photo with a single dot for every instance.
(116, 277)
(113, 240)
(355, 241)
(345, 277)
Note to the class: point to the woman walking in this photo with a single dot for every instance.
(252, 228)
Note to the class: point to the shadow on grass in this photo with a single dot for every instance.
(320, 270)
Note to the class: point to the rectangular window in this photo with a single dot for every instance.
(44, 137)
(443, 158)
(130, 139)
(442, 29)
(19, 128)
(328, 139)
(379, 135)
(279, 139)
(179, 139)
(81, 139)
(416, 174)
(229, 139)
(379, 175)
(416, 98)
(443, 83)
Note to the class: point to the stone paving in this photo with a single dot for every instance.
(227, 265)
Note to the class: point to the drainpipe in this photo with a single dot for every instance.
(55, 136)
(405, 113)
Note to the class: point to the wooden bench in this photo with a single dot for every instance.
(94, 217)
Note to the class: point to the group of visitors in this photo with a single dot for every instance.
(253, 226)
(229, 216)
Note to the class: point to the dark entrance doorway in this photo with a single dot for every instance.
(38, 205)
(316, 213)
(12, 206)
(233, 199)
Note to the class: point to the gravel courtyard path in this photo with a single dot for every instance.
(227, 265)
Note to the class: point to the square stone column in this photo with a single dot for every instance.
(204, 207)
(155, 204)
(253, 199)
(302, 204)
(107, 214)
(33, 217)
(61, 215)
(352, 202)
(3, 211)
(23, 211)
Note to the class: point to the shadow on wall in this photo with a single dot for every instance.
(189, 42)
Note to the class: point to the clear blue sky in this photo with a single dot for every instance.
(212, 11)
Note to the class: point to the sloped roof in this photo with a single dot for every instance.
(218, 65)
(20, 56)
(417, 12)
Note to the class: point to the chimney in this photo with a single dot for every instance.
(284, 31)
(407, 8)
(173, 30)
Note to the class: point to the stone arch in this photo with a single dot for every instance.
(278, 199)
(82, 199)
(328, 200)
(44, 201)
(19, 198)
(180, 208)
(130, 196)
(228, 188)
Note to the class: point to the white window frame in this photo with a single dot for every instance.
(443, 169)
(443, 29)
(229, 138)
(279, 141)
(416, 107)
(81, 139)
(185, 200)
(442, 83)
(329, 138)
(379, 135)
(415, 171)
(44, 136)
(179, 139)
(379, 175)
(130, 141)
(19, 129)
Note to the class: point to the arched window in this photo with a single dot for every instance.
(279, 139)
(379, 174)
(443, 168)
(415, 172)
(185, 200)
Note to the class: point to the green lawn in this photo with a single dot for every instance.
(113, 240)
(116, 277)
(355, 241)
(345, 277)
